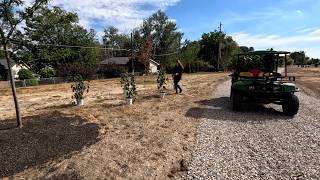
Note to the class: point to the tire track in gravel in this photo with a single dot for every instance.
(257, 143)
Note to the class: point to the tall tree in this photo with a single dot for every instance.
(112, 38)
(189, 54)
(209, 51)
(166, 39)
(11, 16)
(51, 33)
(299, 57)
(145, 54)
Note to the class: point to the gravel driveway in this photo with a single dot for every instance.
(257, 143)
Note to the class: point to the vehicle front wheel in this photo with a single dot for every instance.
(291, 105)
(235, 100)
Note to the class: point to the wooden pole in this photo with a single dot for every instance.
(13, 88)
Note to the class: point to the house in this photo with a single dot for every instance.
(153, 66)
(124, 62)
(15, 67)
(118, 61)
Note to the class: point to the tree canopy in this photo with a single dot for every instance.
(50, 35)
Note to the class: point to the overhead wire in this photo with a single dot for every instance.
(91, 47)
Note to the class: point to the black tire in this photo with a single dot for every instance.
(291, 105)
(235, 100)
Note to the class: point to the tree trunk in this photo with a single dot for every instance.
(13, 88)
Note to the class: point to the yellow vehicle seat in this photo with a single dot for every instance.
(246, 74)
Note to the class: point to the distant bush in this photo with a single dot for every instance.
(32, 82)
(112, 70)
(47, 72)
(76, 69)
(25, 74)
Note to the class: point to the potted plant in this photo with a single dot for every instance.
(162, 81)
(129, 88)
(124, 81)
(78, 89)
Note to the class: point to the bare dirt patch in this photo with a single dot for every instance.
(308, 79)
(105, 138)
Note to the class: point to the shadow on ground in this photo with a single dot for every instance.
(43, 138)
(220, 109)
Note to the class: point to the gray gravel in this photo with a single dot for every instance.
(257, 143)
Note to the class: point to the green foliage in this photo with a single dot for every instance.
(79, 88)
(113, 39)
(47, 72)
(25, 74)
(209, 48)
(51, 27)
(128, 85)
(299, 57)
(164, 35)
(31, 82)
(162, 80)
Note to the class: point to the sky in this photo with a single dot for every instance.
(290, 25)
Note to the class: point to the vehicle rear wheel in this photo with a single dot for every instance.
(235, 100)
(291, 106)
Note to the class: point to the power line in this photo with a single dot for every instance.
(73, 46)
(93, 47)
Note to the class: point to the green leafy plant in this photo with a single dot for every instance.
(79, 88)
(128, 85)
(31, 82)
(162, 81)
(25, 74)
(47, 72)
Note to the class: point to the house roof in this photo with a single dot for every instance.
(154, 62)
(116, 60)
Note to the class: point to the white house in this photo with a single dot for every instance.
(153, 66)
(15, 67)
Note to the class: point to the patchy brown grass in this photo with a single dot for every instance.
(308, 79)
(105, 138)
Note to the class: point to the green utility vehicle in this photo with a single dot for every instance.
(256, 79)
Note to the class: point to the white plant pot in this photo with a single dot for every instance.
(80, 102)
(162, 95)
(129, 101)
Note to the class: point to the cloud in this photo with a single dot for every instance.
(308, 29)
(309, 42)
(123, 14)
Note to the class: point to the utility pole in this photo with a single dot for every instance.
(219, 48)
(132, 64)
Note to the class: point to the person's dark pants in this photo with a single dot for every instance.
(176, 85)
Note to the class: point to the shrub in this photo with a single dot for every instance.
(76, 69)
(79, 88)
(25, 74)
(47, 72)
(32, 82)
(161, 80)
(128, 84)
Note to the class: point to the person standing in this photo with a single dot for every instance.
(177, 76)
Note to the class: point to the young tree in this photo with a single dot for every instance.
(11, 16)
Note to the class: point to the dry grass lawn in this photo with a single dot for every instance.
(104, 139)
(308, 79)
